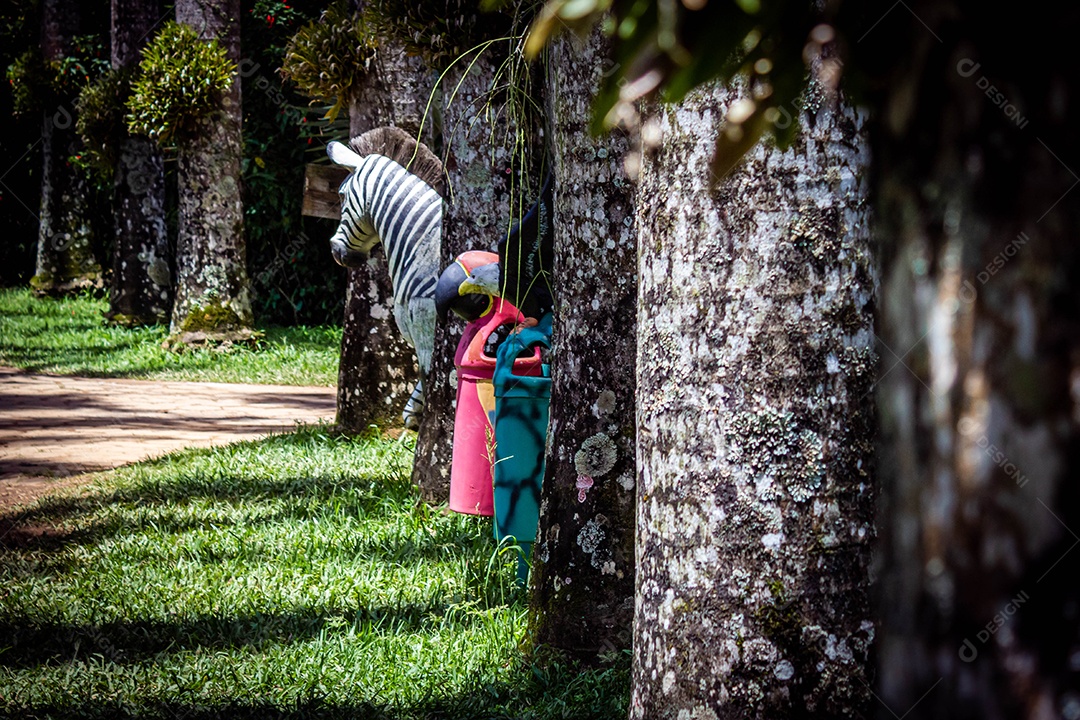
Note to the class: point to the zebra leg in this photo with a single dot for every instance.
(414, 408)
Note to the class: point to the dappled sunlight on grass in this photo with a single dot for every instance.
(295, 576)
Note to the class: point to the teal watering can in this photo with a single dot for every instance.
(521, 424)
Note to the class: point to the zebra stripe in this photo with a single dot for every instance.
(384, 202)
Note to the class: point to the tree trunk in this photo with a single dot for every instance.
(485, 193)
(583, 571)
(213, 292)
(978, 590)
(756, 422)
(141, 280)
(65, 253)
(378, 369)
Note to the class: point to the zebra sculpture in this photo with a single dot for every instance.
(393, 197)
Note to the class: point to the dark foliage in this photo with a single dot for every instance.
(294, 277)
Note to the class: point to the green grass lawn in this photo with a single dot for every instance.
(68, 337)
(292, 577)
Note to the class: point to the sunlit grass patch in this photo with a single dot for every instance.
(68, 336)
(295, 576)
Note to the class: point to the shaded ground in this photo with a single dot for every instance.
(55, 428)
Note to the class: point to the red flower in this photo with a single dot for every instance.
(269, 20)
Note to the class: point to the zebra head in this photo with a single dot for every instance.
(355, 235)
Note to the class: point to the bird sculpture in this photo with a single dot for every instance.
(520, 272)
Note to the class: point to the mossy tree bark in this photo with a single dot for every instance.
(378, 369)
(213, 291)
(583, 568)
(65, 252)
(756, 422)
(980, 420)
(141, 289)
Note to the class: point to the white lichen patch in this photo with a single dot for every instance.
(772, 541)
(590, 537)
(784, 670)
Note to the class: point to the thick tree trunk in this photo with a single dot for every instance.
(65, 253)
(213, 292)
(583, 568)
(141, 290)
(978, 589)
(756, 422)
(484, 195)
(378, 369)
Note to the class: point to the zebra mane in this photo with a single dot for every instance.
(402, 148)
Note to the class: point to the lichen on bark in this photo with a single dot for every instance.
(756, 421)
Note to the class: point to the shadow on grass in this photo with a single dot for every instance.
(38, 539)
(28, 643)
(33, 541)
(57, 523)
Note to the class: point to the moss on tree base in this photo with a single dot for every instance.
(219, 340)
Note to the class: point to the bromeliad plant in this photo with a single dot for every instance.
(328, 56)
(100, 119)
(181, 81)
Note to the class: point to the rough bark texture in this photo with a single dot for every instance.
(141, 289)
(583, 569)
(378, 369)
(756, 422)
(212, 286)
(65, 253)
(978, 592)
(485, 194)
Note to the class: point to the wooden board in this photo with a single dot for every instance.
(321, 183)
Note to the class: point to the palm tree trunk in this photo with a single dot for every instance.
(583, 571)
(141, 290)
(756, 422)
(378, 369)
(65, 253)
(213, 291)
(483, 160)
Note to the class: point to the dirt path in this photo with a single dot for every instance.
(54, 428)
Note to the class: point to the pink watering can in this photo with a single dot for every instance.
(474, 434)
